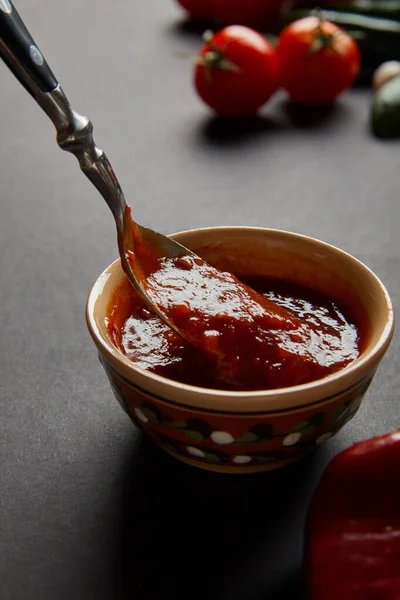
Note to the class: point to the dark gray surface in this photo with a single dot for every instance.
(88, 509)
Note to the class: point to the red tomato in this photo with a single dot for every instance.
(197, 9)
(236, 71)
(318, 60)
(253, 13)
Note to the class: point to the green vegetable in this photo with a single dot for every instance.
(386, 110)
(347, 20)
(385, 72)
(389, 9)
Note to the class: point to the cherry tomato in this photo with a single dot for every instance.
(236, 71)
(197, 9)
(317, 60)
(259, 14)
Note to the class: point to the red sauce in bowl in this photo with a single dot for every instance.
(260, 334)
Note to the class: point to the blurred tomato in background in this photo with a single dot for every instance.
(259, 14)
(197, 9)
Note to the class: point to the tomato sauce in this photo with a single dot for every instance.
(253, 335)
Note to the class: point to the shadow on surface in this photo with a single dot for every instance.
(309, 117)
(187, 29)
(191, 534)
(289, 589)
(224, 131)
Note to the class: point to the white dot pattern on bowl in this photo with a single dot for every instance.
(222, 438)
(292, 439)
(241, 459)
(195, 451)
(140, 415)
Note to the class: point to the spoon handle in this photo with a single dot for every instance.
(74, 131)
(16, 40)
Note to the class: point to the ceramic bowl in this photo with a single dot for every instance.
(242, 432)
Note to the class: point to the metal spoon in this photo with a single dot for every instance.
(231, 324)
(75, 134)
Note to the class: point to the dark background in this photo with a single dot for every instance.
(89, 509)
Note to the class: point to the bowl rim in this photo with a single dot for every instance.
(237, 401)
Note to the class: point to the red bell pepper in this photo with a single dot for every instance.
(353, 528)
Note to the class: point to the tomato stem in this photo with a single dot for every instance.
(207, 37)
(215, 57)
(321, 39)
